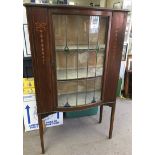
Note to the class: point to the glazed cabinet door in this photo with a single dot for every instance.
(41, 57)
(80, 47)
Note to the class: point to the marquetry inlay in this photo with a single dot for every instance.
(116, 39)
(41, 28)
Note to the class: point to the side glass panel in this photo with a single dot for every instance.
(80, 50)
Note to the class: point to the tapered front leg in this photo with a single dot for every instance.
(41, 133)
(112, 119)
(101, 111)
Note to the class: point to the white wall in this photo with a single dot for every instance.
(26, 1)
(102, 3)
(111, 2)
(24, 16)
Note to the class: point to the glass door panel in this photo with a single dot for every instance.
(60, 32)
(80, 51)
(81, 94)
(91, 63)
(72, 65)
(67, 93)
(82, 63)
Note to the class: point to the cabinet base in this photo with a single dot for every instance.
(113, 105)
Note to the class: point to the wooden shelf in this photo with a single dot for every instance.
(79, 79)
(79, 47)
(75, 99)
(82, 73)
(80, 86)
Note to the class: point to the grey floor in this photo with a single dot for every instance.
(84, 136)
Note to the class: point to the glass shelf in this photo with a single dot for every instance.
(80, 51)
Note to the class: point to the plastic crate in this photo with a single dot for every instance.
(87, 112)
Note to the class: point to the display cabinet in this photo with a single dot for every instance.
(76, 55)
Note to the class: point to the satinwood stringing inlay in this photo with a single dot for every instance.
(41, 28)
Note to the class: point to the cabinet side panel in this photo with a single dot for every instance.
(41, 57)
(113, 56)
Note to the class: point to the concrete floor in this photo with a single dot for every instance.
(84, 136)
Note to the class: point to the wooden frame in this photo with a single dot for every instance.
(82, 12)
(44, 57)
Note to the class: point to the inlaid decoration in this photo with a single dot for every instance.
(41, 28)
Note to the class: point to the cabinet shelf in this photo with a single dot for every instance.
(79, 86)
(60, 48)
(81, 73)
(78, 92)
(76, 99)
(75, 79)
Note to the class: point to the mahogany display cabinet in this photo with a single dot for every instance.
(76, 56)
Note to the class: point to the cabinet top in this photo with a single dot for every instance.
(63, 6)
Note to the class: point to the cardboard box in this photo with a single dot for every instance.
(30, 109)
(31, 117)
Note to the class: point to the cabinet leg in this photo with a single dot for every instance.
(112, 119)
(41, 133)
(101, 111)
